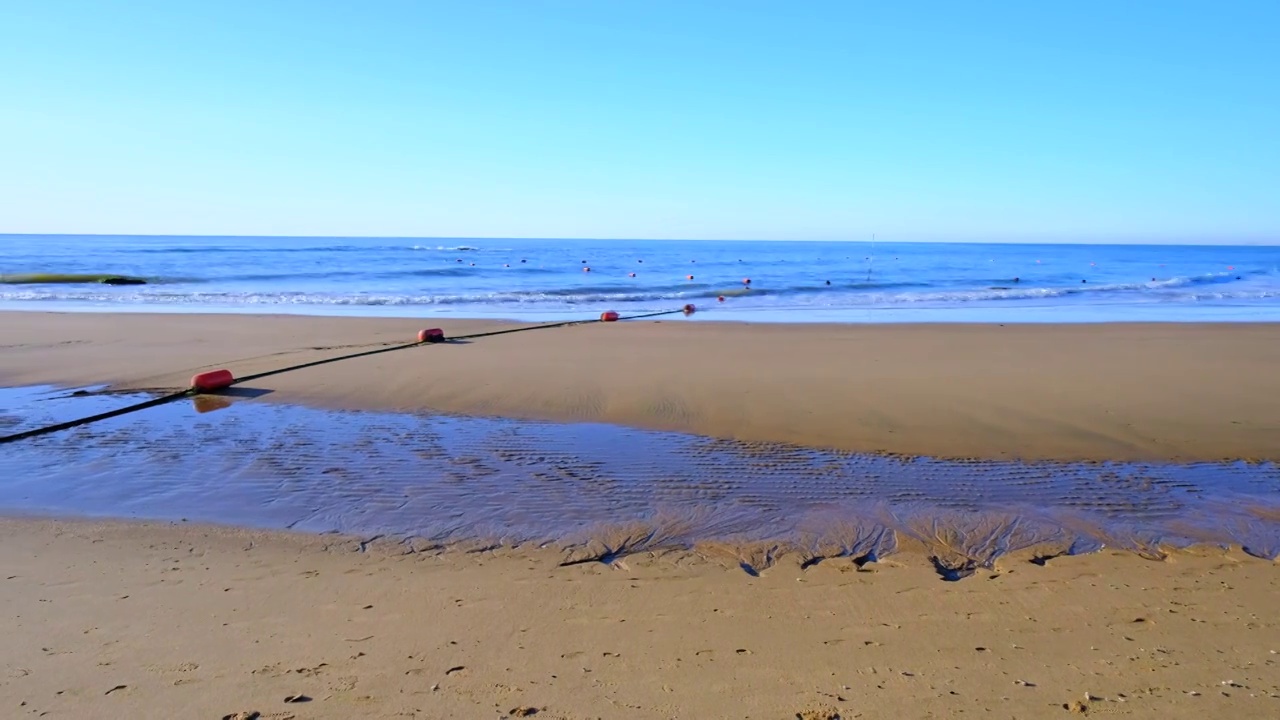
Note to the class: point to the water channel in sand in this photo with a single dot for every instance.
(600, 491)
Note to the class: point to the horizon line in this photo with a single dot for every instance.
(870, 240)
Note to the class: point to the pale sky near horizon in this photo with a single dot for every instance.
(1082, 121)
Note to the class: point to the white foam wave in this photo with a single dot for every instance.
(301, 298)
(557, 299)
(1205, 288)
(458, 248)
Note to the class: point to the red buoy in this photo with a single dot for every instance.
(609, 316)
(721, 298)
(212, 381)
(689, 309)
(431, 335)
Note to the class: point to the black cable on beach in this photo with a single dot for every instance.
(568, 323)
(221, 379)
(473, 336)
(325, 361)
(153, 402)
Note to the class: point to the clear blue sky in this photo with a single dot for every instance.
(732, 119)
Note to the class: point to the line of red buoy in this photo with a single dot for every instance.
(212, 381)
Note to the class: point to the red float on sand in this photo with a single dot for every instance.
(212, 380)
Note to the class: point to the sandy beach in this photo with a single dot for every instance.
(140, 620)
(350, 367)
(145, 619)
(1179, 392)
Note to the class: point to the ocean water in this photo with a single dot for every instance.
(537, 280)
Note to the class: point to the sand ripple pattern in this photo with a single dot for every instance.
(603, 491)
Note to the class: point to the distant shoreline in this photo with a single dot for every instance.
(706, 314)
(1164, 242)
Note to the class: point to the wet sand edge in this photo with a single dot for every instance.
(750, 559)
(1128, 392)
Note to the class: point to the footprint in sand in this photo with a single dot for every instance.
(185, 667)
(818, 713)
(343, 684)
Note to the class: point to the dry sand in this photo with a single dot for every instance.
(108, 620)
(1120, 391)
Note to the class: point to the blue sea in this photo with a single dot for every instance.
(534, 280)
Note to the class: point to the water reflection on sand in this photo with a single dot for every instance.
(604, 491)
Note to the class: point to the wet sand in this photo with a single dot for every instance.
(602, 490)
(137, 620)
(1172, 392)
